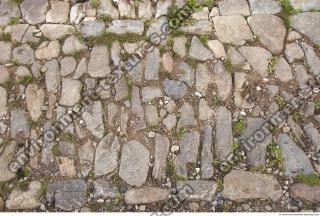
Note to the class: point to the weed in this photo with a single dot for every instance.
(171, 171)
(296, 116)
(219, 184)
(147, 23)
(239, 126)
(14, 20)
(192, 62)
(32, 44)
(179, 133)
(317, 104)
(272, 61)
(235, 145)
(95, 3)
(107, 38)
(5, 37)
(276, 156)
(76, 55)
(166, 74)
(118, 199)
(215, 101)
(176, 33)
(162, 50)
(104, 18)
(26, 80)
(9, 84)
(313, 179)
(228, 64)
(287, 11)
(204, 39)
(42, 190)
(55, 150)
(280, 101)
(5, 189)
(23, 185)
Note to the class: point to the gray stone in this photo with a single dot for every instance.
(308, 24)
(217, 48)
(162, 145)
(222, 80)
(23, 200)
(104, 189)
(297, 131)
(134, 164)
(107, 154)
(149, 93)
(305, 5)
(152, 115)
(145, 195)
(152, 65)
(250, 186)
(4, 74)
(23, 54)
(8, 9)
(304, 192)
(29, 35)
(179, 46)
(199, 51)
(6, 157)
(72, 45)
(115, 53)
(232, 29)
(282, 70)
(313, 134)
(258, 58)
(19, 124)
(235, 57)
(34, 99)
(126, 9)
(52, 75)
(207, 170)
(86, 153)
(71, 92)
(198, 28)
(170, 121)
(234, 7)
(3, 101)
(126, 26)
(307, 109)
(265, 7)
(16, 31)
(91, 28)
(197, 190)
(145, 10)
(67, 195)
(205, 112)
(175, 89)
(312, 58)
(56, 31)
(273, 40)
(34, 11)
(293, 52)
(121, 89)
(302, 76)
(189, 147)
(68, 65)
(224, 138)
(5, 53)
(256, 154)
(67, 148)
(162, 8)
(106, 8)
(186, 73)
(81, 68)
(93, 119)
(137, 109)
(98, 65)
(48, 50)
(203, 78)
(59, 12)
(187, 117)
(295, 160)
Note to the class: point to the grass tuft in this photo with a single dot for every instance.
(287, 11)
(5, 37)
(313, 179)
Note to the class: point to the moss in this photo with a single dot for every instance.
(296, 116)
(178, 133)
(215, 101)
(104, 18)
(209, 3)
(76, 55)
(317, 104)
(219, 184)
(55, 150)
(313, 179)
(16, 1)
(280, 101)
(5, 189)
(228, 65)
(23, 185)
(68, 137)
(162, 50)
(192, 62)
(107, 38)
(14, 20)
(118, 199)
(204, 39)
(5, 37)
(95, 3)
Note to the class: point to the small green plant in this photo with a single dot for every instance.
(296, 116)
(204, 39)
(5, 37)
(118, 199)
(192, 62)
(26, 80)
(178, 134)
(209, 3)
(55, 150)
(23, 185)
(276, 156)
(107, 38)
(219, 184)
(68, 137)
(215, 101)
(95, 3)
(280, 101)
(228, 64)
(129, 85)
(16, 1)
(313, 179)
(317, 104)
(42, 190)
(5, 189)
(76, 55)
(104, 18)
(14, 20)
(162, 50)
(235, 145)
(272, 61)
(32, 44)
(147, 23)
(287, 11)
(239, 126)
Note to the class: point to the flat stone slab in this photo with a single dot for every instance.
(307, 193)
(241, 185)
(145, 195)
(197, 190)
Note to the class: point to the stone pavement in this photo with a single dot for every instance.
(172, 120)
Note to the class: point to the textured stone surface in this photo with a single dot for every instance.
(145, 195)
(308, 193)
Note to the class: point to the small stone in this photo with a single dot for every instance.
(234, 7)
(265, 7)
(72, 45)
(34, 99)
(217, 48)
(23, 54)
(66, 167)
(293, 52)
(68, 65)
(175, 89)
(56, 31)
(104, 189)
(223, 138)
(145, 195)
(91, 28)
(71, 92)
(5, 53)
(126, 26)
(94, 119)
(52, 75)
(48, 51)
(162, 145)
(34, 11)
(59, 12)
(187, 117)
(179, 46)
(197, 190)
(199, 51)
(282, 70)
(98, 65)
(306, 192)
